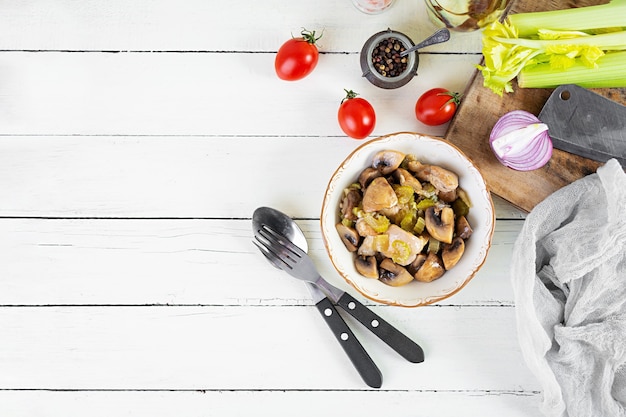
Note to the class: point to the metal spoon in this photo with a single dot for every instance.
(285, 226)
(266, 217)
(442, 35)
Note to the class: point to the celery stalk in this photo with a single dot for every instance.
(604, 16)
(606, 41)
(611, 72)
(554, 42)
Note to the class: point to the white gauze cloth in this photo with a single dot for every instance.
(569, 280)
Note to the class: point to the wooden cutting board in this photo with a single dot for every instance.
(481, 108)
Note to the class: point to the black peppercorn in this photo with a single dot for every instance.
(386, 57)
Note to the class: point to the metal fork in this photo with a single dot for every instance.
(292, 259)
(283, 254)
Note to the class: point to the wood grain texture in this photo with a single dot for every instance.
(481, 109)
(203, 94)
(182, 262)
(250, 348)
(287, 403)
(207, 26)
(170, 177)
(130, 164)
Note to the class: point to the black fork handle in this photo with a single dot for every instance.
(350, 344)
(397, 340)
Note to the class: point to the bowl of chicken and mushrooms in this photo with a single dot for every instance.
(407, 219)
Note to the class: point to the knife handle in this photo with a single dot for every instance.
(351, 345)
(397, 340)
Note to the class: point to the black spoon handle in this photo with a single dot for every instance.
(350, 344)
(397, 340)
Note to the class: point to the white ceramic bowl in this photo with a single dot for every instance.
(481, 218)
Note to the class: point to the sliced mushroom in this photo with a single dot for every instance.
(404, 177)
(431, 269)
(447, 196)
(387, 161)
(440, 223)
(379, 195)
(366, 266)
(463, 228)
(367, 175)
(451, 253)
(349, 236)
(416, 264)
(443, 179)
(351, 200)
(393, 274)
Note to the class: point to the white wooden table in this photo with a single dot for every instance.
(136, 140)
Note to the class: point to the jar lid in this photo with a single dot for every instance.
(379, 76)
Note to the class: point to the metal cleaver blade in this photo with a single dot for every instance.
(585, 123)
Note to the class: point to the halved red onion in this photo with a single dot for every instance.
(520, 141)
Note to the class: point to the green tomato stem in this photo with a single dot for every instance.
(454, 98)
(349, 95)
(309, 36)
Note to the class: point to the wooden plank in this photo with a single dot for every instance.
(197, 177)
(250, 348)
(197, 25)
(215, 94)
(523, 189)
(182, 262)
(281, 403)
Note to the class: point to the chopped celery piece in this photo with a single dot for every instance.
(381, 242)
(400, 252)
(404, 194)
(425, 203)
(420, 224)
(462, 194)
(433, 245)
(460, 208)
(378, 222)
(408, 221)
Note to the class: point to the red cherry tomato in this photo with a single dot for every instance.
(356, 116)
(297, 57)
(436, 106)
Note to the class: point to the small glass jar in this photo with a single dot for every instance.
(465, 15)
(372, 6)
